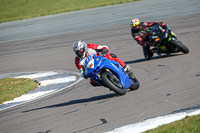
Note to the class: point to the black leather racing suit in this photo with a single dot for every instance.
(141, 36)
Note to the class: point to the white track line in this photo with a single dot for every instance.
(38, 75)
(30, 96)
(27, 97)
(39, 94)
(57, 81)
(154, 122)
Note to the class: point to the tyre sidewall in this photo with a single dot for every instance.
(135, 83)
(110, 85)
(180, 45)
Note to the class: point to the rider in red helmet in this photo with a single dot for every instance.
(83, 50)
(139, 31)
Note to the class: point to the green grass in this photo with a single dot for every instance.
(187, 125)
(23, 9)
(12, 87)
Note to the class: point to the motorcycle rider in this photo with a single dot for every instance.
(139, 31)
(83, 50)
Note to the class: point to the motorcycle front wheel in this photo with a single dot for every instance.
(180, 46)
(112, 84)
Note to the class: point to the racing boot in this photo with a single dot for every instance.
(168, 53)
(148, 57)
(127, 68)
(157, 51)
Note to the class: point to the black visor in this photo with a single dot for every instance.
(80, 53)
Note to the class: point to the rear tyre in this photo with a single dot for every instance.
(110, 83)
(180, 46)
(135, 83)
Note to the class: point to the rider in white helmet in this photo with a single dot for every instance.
(83, 50)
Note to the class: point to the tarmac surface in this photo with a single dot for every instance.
(168, 83)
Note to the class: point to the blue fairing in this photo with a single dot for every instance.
(94, 64)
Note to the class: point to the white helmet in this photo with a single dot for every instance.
(80, 48)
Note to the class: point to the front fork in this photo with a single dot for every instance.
(110, 73)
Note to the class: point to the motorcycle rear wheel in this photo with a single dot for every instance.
(147, 52)
(135, 83)
(106, 79)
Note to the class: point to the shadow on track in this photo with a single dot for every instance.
(91, 99)
(187, 109)
(153, 58)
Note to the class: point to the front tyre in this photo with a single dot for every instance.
(180, 46)
(111, 83)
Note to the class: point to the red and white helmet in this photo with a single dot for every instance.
(80, 48)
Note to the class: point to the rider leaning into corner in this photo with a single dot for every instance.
(83, 50)
(139, 31)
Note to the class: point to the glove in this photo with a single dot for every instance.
(82, 73)
(161, 23)
(104, 51)
(98, 50)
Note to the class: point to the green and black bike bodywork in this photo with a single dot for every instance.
(164, 40)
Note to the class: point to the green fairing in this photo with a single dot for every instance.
(169, 39)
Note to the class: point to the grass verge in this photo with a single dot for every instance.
(186, 125)
(22, 9)
(14, 87)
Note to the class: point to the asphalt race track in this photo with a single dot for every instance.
(168, 83)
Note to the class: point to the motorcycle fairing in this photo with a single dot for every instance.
(100, 63)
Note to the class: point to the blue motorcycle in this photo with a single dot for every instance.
(109, 73)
